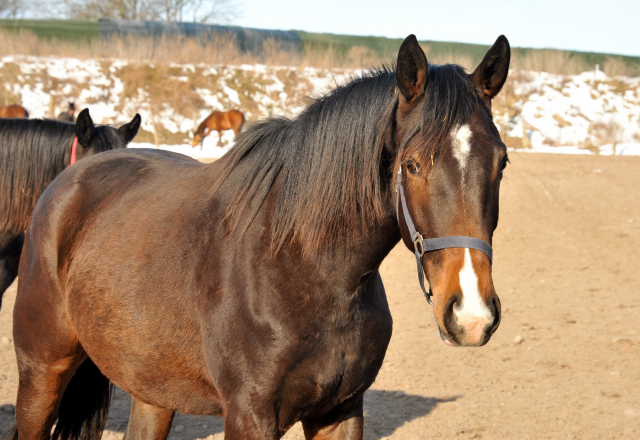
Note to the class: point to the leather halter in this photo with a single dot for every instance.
(74, 147)
(423, 245)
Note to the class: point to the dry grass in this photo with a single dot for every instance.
(548, 60)
(615, 66)
(223, 50)
(179, 50)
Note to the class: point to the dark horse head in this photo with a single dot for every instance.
(94, 139)
(452, 160)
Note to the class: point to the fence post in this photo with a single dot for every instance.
(153, 124)
(51, 107)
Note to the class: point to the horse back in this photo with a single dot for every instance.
(229, 120)
(13, 112)
(67, 209)
(106, 219)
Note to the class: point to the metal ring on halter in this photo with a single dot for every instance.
(418, 242)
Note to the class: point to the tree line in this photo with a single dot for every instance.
(199, 11)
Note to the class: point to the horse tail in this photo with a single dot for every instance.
(85, 404)
(26, 114)
(12, 434)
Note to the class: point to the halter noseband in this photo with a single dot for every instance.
(423, 245)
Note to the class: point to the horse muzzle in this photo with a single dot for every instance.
(465, 324)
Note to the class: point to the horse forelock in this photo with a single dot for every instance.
(31, 155)
(330, 162)
(450, 100)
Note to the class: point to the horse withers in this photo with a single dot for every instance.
(33, 153)
(250, 287)
(14, 112)
(218, 121)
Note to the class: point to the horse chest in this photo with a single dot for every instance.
(342, 360)
(304, 359)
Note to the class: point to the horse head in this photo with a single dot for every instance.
(197, 138)
(450, 164)
(92, 139)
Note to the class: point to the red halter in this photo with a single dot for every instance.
(73, 151)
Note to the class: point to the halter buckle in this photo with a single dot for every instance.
(417, 244)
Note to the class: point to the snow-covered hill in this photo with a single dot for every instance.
(587, 113)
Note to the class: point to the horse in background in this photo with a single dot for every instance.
(32, 153)
(218, 121)
(14, 112)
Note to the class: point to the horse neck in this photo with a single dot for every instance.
(382, 237)
(366, 253)
(202, 126)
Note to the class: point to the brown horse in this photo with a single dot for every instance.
(249, 287)
(218, 121)
(33, 153)
(13, 112)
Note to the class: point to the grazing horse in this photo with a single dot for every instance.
(13, 112)
(218, 121)
(250, 287)
(33, 152)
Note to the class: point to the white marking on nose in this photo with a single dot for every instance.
(471, 313)
(461, 145)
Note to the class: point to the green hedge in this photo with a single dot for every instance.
(63, 29)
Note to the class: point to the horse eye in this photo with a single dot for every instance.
(504, 163)
(413, 167)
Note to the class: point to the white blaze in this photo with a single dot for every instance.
(472, 312)
(461, 144)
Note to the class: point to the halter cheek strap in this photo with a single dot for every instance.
(422, 245)
(74, 147)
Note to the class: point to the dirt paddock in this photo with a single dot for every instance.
(565, 362)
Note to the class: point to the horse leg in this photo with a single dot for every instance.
(41, 388)
(56, 379)
(240, 424)
(148, 422)
(10, 250)
(219, 138)
(338, 425)
(205, 133)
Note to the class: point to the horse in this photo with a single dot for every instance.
(13, 112)
(218, 121)
(33, 153)
(249, 288)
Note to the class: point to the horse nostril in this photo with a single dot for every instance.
(495, 310)
(450, 320)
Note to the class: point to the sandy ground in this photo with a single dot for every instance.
(565, 362)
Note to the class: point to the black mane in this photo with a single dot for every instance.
(32, 153)
(333, 162)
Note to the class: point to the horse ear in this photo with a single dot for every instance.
(490, 75)
(130, 130)
(412, 72)
(84, 127)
